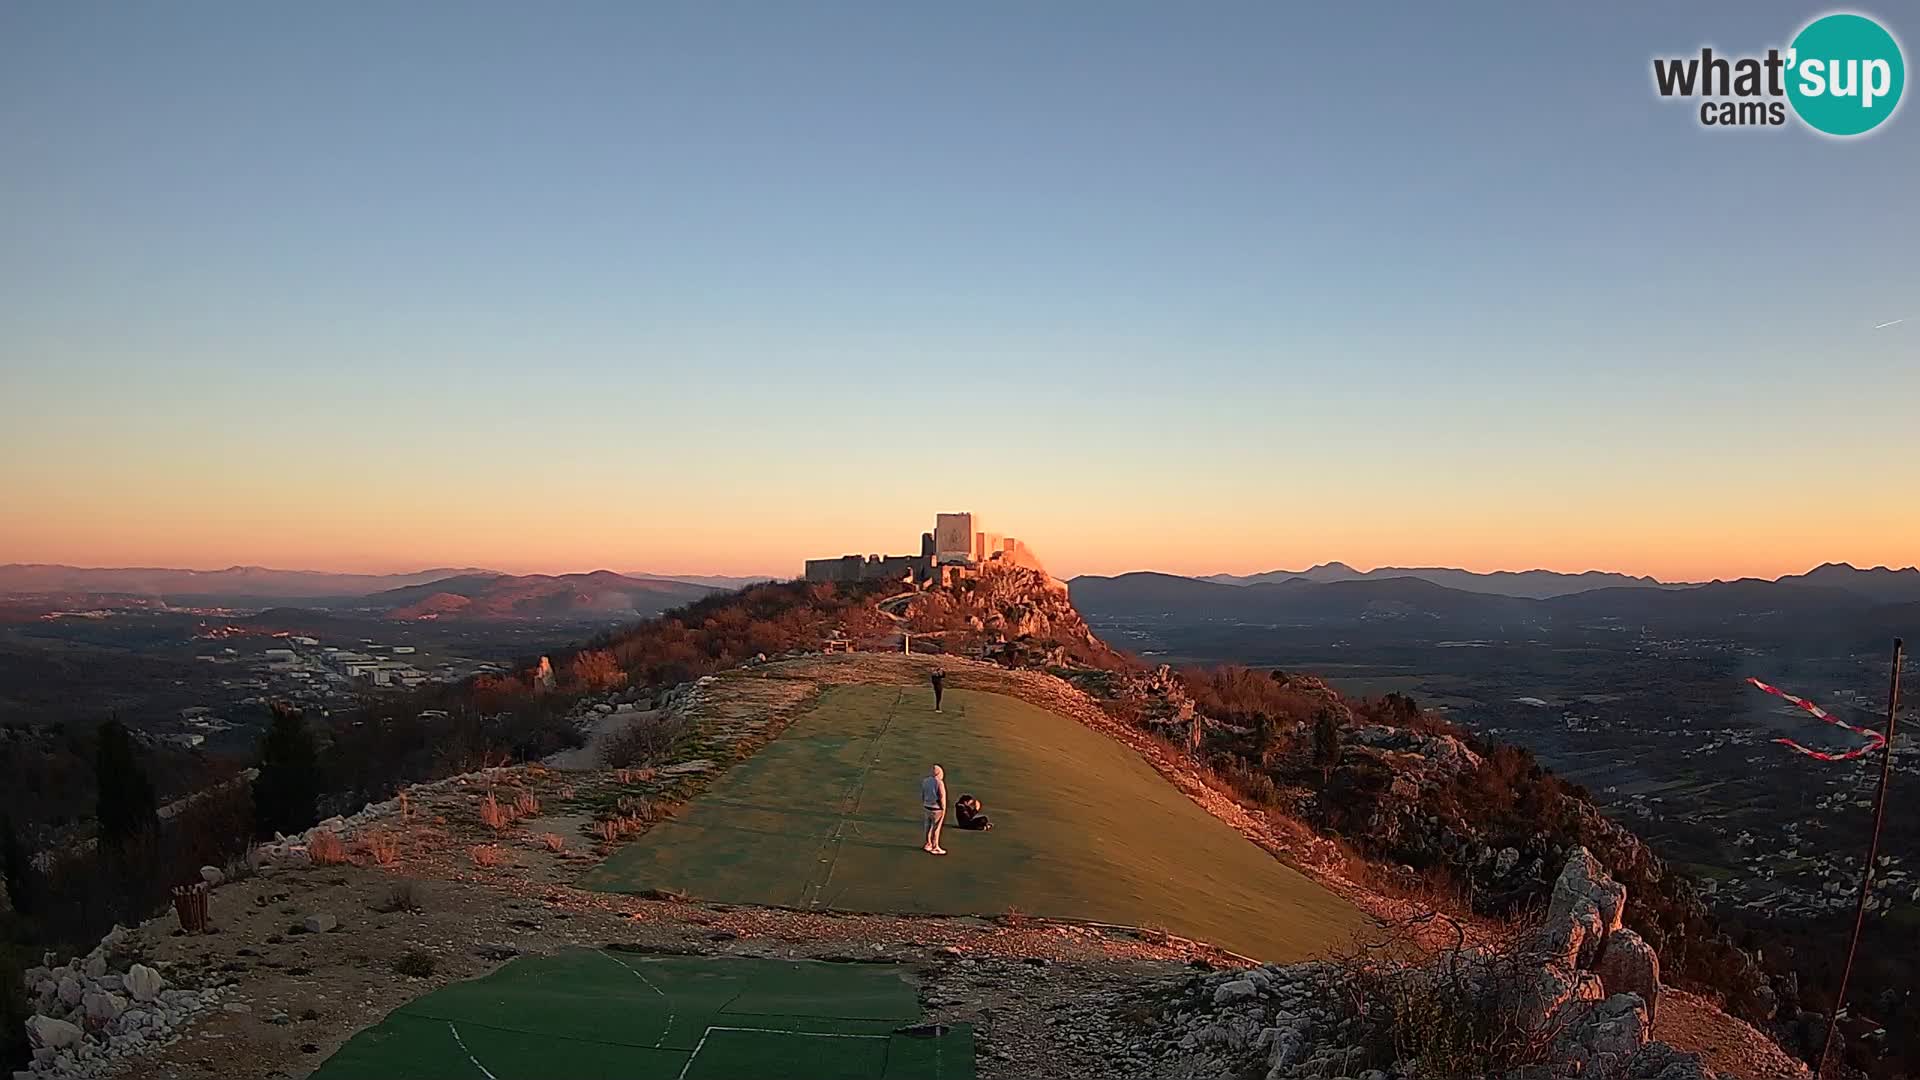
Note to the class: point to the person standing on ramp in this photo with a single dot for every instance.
(939, 685)
(933, 798)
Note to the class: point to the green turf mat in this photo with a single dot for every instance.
(730, 1054)
(606, 1013)
(827, 816)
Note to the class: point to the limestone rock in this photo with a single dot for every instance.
(103, 1007)
(1584, 877)
(212, 875)
(1542, 995)
(319, 923)
(1236, 990)
(1628, 965)
(69, 991)
(1505, 861)
(51, 1034)
(144, 983)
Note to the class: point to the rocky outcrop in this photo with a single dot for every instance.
(1573, 999)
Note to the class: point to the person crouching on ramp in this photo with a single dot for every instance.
(933, 798)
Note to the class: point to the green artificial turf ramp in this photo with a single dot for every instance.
(623, 1016)
(828, 816)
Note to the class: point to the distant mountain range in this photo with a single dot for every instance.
(1533, 584)
(1878, 583)
(246, 585)
(235, 581)
(1834, 598)
(718, 581)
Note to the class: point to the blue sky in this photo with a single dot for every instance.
(1229, 288)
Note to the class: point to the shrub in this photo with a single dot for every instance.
(645, 741)
(554, 842)
(414, 963)
(17, 865)
(403, 896)
(525, 805)
(1462, 1015)
(596, 669)
(326, 849)
(493, 815)
(487, 855)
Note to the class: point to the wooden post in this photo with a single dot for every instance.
(190, 904)
(1873, 853)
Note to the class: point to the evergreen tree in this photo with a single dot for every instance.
(126, 804)
(1326, 742)
(17, 865)
(286, 794)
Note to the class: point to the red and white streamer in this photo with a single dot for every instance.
(1876, 740)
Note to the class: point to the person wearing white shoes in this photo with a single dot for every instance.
(933, 798)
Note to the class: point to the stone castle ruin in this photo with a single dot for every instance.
(954, 550)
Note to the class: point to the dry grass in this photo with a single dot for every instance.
(525, 805)
(493, 815)
(326, 849)
(487, 855)
(382, 847)
(404, 896)
(554, 842)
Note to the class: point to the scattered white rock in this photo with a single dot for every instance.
(144, 983)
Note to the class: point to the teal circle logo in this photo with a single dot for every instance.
(1845, 74)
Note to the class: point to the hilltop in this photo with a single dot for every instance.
(1384, 817)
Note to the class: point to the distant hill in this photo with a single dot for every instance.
(1879, 583)
(235, 582)
(1530, 584)
(718, 581)
(597, 595)
(1147, 595)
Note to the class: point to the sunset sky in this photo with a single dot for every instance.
(717, 287)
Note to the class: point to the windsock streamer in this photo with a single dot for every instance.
(1876, 740)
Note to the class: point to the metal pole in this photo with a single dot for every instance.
(1873, 853)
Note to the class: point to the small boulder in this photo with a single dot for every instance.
(69, 991)
(144, 983)
(319, 923)
(212, 875)
(1234, 990)
(48, 1033)
(1505, 861)
(96, 965)
(103, 1007)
